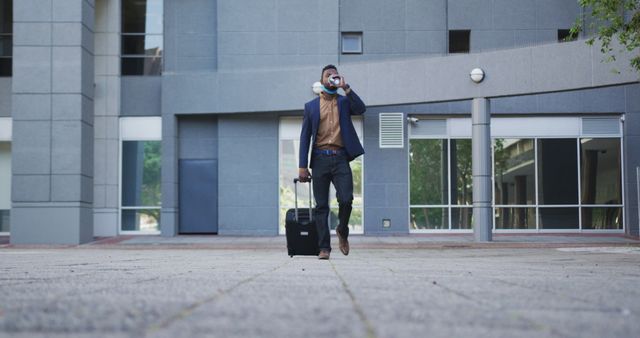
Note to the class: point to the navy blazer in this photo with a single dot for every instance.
(348, 105)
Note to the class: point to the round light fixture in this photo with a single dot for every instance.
(317, 88)
(477, 75)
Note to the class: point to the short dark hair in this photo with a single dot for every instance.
(327, 67)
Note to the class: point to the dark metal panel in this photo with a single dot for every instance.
(198, 195)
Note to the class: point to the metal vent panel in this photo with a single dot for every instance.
(391, 130)
(601, 126)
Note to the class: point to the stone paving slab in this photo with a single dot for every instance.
(111, 291)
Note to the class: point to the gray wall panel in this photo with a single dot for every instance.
(470, 14)
(248, 174)
(632, 93)
(556, 14)
(191, 36)
(514, 14)
(198, 137)
(276, 33)
(386, 187)
(487, 40)
(425, 14)
(632, 160)
(52, 167)
(5, 96)
(399, 218)
(63, 225)
(141, 96)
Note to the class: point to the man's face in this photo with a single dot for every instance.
(325, 77)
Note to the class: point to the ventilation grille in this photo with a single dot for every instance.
(601, 126)
(391, 130)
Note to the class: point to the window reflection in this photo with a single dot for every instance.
(141, 173)
(428, 166)
(557, 171)
(558, 218)
(429, 218)
(142, 16)
(142, 37)
(602, 218)
(147, 45)
(6, 37)
(141, 65)
(539, 183)
(141, 191)
(461, 172)
(141, 220)
(461, 218)
(6, 45)
(514, 171)
(515, 218)
(600, 171)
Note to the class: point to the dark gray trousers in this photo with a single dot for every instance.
(329, 169)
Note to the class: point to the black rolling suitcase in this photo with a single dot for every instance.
(302, 235)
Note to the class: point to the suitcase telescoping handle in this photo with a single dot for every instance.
(295, 189)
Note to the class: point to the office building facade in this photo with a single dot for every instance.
(179, 117)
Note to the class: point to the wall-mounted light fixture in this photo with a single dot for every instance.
(477, 75)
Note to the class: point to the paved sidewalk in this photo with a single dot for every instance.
(416, 241)
(588, 288)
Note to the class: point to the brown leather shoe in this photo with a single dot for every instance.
(343, 243)
(324, 254)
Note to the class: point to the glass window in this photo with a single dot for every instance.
(141, 65)
(564, 35)
(429, 218)
(461, 218)
(514, 171)
(142, 37)
(557, 172)
(461, 172)
(6, 37)
(515, 218)
(600, 171)
(141, 192)
(5, 186)
(141, 220)
(148, 45)
(289, 148)
(352, 43)
(558, 218)
(544, 183)
(440, 184)
(428, 166)
(601, 218)
(459, 41)
(6, 16)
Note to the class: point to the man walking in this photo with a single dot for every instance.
(327, 130)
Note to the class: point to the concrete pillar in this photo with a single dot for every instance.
(52, 95)
(481, 159)
(169, 185)
(106, 201)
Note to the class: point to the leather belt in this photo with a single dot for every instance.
(328, 152)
